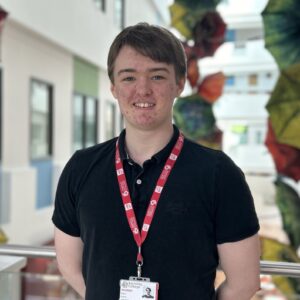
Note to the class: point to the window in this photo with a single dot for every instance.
(0, 111)
(241, 131)
(240, 47)
(84, 121)
(41, 140)
(259, 137)
(110, 121)
(240, 44)
(230, 80)
(122, 125)
(100, 4)
(252, 79)
(230, 35)
(41, 120)
(4, 215)
(119, 11)
(269, 75)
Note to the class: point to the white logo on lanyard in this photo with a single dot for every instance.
(120, 172)
(146, 227)
(153, 202)
(173, 156)
(128, 206)
(158, 189)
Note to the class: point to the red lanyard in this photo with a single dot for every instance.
(140, 237)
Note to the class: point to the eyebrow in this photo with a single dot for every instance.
(130, 70)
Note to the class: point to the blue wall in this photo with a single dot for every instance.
(44, 182)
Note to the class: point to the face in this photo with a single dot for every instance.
(145, 90)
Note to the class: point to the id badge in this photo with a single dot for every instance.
(138, 289)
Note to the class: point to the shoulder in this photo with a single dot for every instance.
(84, 160)
(201, 154)
(85, 157)
(207, 162)
(96, 150)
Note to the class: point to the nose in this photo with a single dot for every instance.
(143, 86)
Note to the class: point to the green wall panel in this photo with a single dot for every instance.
(86, 78)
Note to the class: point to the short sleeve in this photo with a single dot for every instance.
(65, 213)
(235, 217)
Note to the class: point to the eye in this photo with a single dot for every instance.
(158, 77)
(128, 78)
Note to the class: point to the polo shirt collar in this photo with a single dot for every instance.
(158, 157)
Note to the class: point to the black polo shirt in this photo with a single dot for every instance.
(205, 202)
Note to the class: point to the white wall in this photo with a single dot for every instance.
(26, 55)
(242, 8)
(253, 58)
(76, 25)
(137, 12)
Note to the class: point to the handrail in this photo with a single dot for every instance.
(280, 268)
(28, 251)
(266, 267)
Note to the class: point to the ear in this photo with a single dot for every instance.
(180, 86)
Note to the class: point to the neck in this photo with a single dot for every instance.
(142, 145)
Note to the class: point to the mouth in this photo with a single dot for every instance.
(143, 104)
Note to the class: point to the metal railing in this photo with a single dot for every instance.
(266, 267)
(28, 251)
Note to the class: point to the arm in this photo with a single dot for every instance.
(240, 263)
(69, 257)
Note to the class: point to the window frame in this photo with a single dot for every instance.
(50, 119)
(113, 107)
(253, 80)
(1, 119)
(120, 22)
(101, 6)
(84, 119)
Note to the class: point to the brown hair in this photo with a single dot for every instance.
(155, 42)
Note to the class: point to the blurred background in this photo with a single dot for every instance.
(242, 96)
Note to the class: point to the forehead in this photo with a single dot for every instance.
(129, 58)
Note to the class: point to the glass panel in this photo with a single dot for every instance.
(91, 122)
(78, 122)
(100, 4)
(118, 13)
(259, 137)
(252, 79)
(230, 80)
(40, 120)
(121, 122)
(44, 171)
(230, 35)
(0, 115)
(110, 110)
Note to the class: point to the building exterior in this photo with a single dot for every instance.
(251, 74)
(55, 98)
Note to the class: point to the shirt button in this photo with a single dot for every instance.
(139, 181)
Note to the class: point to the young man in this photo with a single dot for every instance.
(151, 197)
